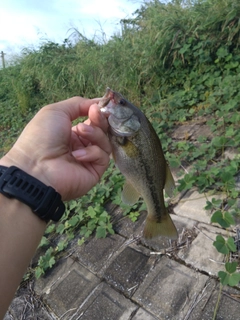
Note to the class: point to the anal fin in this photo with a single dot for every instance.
(169, 183)
(129, 194)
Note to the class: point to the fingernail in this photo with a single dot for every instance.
(86, 127)
(79, 153)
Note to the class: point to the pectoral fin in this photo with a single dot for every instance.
(165, 228)
(169, 183)
(129, 194)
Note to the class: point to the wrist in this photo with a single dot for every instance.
(44, 201)
(25, 163)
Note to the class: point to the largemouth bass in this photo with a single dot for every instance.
(138, 154)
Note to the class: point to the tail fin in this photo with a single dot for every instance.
(165, 228)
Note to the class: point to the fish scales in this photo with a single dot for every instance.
(138, 153)
(150, 178)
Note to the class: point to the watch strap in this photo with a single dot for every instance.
(44, 201)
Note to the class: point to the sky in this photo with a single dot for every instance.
(28, 23)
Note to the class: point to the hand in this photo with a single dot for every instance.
(70, 159)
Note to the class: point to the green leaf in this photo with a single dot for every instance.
(220, 245)
(231, 65)
(231, 267)
(231, 277)
(87, 234)
(73, 221)
(61, 245)
(234, 279)
(101, 232)
(51, 262)
(110, 229)
(134, 215)
(50, 228)
(215, 203)
(231, 245)
(222, 52)
(103, 217)
(73, 204)
(174, 162)
(217, 217)
(184, 48)
(60, 228)
(226, 177)
(49, 252)
(83, 230)
(38, 272)
(223, 218)
(91, 212)
(224, 277)
(81, 241)
(219, 142)
(70, 235)
(44, 242)
(228, 218)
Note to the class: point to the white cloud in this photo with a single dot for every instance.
(25, 22)
(108, 9)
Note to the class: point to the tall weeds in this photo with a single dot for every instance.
(163, 49)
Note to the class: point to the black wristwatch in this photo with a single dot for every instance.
(44, 201)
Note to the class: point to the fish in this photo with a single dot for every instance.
(137, 152)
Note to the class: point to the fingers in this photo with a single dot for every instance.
(74, 107)
(94, 135)
(96, 118)
(94, 159)
(92, 154)
(77, 106)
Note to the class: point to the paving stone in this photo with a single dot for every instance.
(200, 299)
(96, 254)
(229, 305)
(168, 289)
(183, 223)
(230, 153)
(28, 308)
(128, 270)
(104, 303)
(184, 132)
(122, 224)
(193, 131)
(68, 288)
(126, 227)
(192, 206)
(202, 255)
(202, 131)
(143, 315)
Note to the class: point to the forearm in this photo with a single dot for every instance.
(69, 159)
(20, 233)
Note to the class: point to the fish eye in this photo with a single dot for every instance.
(122, 102)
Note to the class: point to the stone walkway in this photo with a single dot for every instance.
(124, 277)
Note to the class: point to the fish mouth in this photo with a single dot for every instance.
(107, 109)
(120, 117)
(107, 102)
